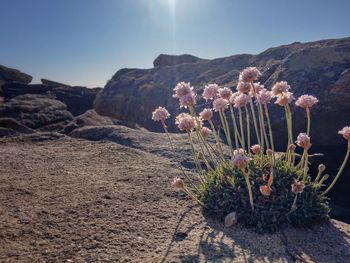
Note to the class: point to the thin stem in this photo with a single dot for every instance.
(254, 120)
(263, 126)
(227, 133)
(199, 137)
(173, 150)
(288, 129)
(339, 172)
(236, 134)
(248, 128)
(187, 191)
(249, 187)
(290, 123)
(269, 126)
(242, 127)
(294, 205)
(198, 165)
(308, 121)
(217, 138)
(306, 164)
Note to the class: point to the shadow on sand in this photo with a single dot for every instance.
(209, 241)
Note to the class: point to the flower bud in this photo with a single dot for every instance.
(321, 167)
(269, 152)
(178, 183)
(265, 190)
(291, 147)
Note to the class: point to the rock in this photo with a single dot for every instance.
(53, 83)
(13, 124)
(231, 219)
(89, 118)
(319, 68)
(77, 99)
(13, 75)
(7, 132)
(36, 111)
(170, 60)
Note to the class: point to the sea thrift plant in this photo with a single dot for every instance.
(239, 171)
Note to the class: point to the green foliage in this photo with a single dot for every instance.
(226, 191)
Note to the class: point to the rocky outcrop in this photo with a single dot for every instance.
(77, 99)
(319, 68)
(36, 112)
(170, 60)
(13, 75)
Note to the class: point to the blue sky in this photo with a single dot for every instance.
(84, 42)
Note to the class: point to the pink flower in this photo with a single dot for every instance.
(345, 132)
(240, 159)
(182, 89)
(256, 148)
(210, 91)
(303, 141)
(206, 132)
(298, 187)
(306, 101)
(265, 190)
(206, 114)
(178, 183)
(225, 93)
(243, 86)
(220, 104)
(263, 97)
(188, 100)
(185, 122)
(241, 100)
(284, 98)
(160, 114)
(233, 97)
(249, 74)
(280, 87)
(257, 88)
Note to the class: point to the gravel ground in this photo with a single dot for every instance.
(72, 200)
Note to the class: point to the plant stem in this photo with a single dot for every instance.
(263, 126)
(249, 187)
(236, 134)
(227, 133)
(198, 165)
(269, 126)
(217, 138)
(173, 150)
(254, 118)
(242, 127)
(308, 121)
(290, 123)
(187, 191)
(248, 128)
(339, 172)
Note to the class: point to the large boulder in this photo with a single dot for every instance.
(77, 99)
(319, 68)
(36, 112)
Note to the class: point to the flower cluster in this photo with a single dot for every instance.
(248, 164)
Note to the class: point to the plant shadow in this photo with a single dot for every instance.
(207, 240)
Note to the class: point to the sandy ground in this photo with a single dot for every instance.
(70, 200)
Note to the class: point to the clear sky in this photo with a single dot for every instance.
(84, 42)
